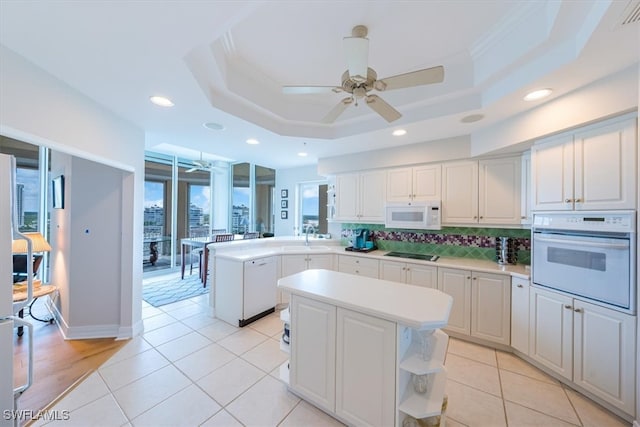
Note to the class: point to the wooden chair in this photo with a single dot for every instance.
(225, 237)
(214, 233)
(250, 235)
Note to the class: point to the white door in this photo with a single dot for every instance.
(520, 315)
(427, 182)
(460, 192)
(422, 275)
(347, 203)
(499, 191)
(365, 369)
(457, 283)
(605, 167)
(313, 351)
(491, 307)
(552, 174)
(393, 271)
(372, 196)
(603, 353)
(551, 331)
(399, 185)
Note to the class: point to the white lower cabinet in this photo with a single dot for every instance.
(409, 273)
(520, 315)
(481, 303)
(592, 346)
(313, 347)
(295, 263)
(365, 345)
(358, 265)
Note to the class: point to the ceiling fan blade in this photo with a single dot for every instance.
(356, 50)
(337, 110)
(304, 90)
(381, 107)
(414, 78)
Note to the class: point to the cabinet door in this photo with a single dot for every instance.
(460, 192)
(605, 167)
(427, 182)
(552, 174)
(290, 264)
(393, 271)
(499, 191)
(422, 275)
(525, 185)
(491, 307)
(365, 369)
(399, 185)
(324, 261)
(346, 199)
(372, 196)
(551, 330)
(604, 343)
(457, 283)
(520, 315)
(313, 351)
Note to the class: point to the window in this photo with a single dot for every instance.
(313, 203)
(241, 199)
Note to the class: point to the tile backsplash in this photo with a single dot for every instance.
(464, 242)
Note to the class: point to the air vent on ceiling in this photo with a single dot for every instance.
(631, 13)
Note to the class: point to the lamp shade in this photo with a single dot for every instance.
(39, 244)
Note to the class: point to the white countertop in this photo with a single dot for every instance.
(248, 250)
(414, 306)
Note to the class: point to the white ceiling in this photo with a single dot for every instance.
(226, 61)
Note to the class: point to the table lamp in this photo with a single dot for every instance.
(19, 247)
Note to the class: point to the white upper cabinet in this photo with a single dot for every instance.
(592, 169)
(420, 183)
(360, 197)
(482, 192)
(525, 186)
(460, 192)
(499, 191)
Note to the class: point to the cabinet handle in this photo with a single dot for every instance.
(577, 310)
(357, 272)
(568, 307)
(568, 200)
(468, 277)
(523, 217)
(481, 217)
(578, 200)
(475, 217)
(519, 286)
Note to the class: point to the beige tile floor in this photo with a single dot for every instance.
(189, 369)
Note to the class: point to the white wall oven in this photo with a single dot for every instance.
(589, 255)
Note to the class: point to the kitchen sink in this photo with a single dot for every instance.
(302, 248)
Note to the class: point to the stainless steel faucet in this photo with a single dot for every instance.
(306, 234)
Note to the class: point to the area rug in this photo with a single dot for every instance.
(174, 289)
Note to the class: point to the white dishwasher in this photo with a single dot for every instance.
(260, 289)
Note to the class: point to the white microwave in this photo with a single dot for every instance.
(413, 215)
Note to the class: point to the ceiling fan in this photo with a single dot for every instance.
(359, 80)
(201, 165)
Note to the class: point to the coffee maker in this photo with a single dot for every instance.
(360, 237)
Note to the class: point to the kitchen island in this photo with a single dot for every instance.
(366, 351)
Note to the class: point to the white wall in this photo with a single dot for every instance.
(289, 179)
(40, 109)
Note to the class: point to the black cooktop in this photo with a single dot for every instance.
(425, 257)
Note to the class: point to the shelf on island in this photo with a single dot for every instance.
(413, 362)
(424, 405)
(283, 372)
(285, 316)
(285, 347)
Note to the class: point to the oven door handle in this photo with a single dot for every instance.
(583, 243)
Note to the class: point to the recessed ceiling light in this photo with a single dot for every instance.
(161, 101)
(472, 118)
(302, 154)
(253, 141)
(399, 132)
(537, 94)
(213, 126)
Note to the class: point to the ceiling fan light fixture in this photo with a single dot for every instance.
(252, 141)
(161, 101)
(538, 94)
(302, 154)
(399, 132)
(472, 118)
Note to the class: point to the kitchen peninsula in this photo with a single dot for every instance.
(367, 351)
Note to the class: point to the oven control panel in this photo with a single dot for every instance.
(612, 221)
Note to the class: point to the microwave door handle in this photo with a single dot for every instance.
(592, 244)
